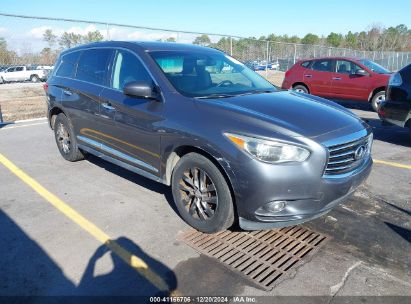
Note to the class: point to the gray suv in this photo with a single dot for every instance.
(232, 147)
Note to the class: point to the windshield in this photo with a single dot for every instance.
(209, 74)
(375, 67)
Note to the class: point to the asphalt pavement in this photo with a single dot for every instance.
(91, 228)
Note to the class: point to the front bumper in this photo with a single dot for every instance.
(306, 197)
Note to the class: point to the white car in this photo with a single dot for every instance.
(23, 73)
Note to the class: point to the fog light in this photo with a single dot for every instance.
(275, 206)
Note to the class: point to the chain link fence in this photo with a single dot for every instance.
(24, 43)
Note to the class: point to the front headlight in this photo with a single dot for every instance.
(269, 151)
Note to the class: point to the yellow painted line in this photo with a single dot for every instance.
(392, 164)
(136, 263)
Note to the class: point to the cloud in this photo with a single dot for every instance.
(137, 35)
(3, 30)
(82, 30)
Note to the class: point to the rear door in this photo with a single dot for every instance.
(346, 84)
(130, 133)
(319, 77)
(81, 94)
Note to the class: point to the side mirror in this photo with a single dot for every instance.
(361, 72)
(140, 89)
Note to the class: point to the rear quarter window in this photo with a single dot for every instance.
(67, 65)
(306, 64)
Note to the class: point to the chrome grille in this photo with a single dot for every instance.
(343, 157)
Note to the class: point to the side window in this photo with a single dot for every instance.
(67, 65)
(322, 65)
(11, 70)
(19, 69)
(128, 68)
(346, 67)
(93, 65)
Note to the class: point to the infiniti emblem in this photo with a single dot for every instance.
(360, 152)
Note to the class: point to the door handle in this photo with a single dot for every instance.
(308, 75)
(336, 78)
(67, 92)
(108, 106)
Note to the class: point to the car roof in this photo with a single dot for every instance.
(145, 46)
(337, 58)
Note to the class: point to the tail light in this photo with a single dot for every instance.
(45, 86)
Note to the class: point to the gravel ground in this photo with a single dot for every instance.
(22, 101)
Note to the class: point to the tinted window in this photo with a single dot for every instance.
(406, 74)
(305, 64)
(346, 67)
(68, 64)
(128, 68)
(322, 65)
(93, 65)
(19, 69)
(11, 69)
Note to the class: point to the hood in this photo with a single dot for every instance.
(298, 113)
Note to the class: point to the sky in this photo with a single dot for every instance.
(240, 18)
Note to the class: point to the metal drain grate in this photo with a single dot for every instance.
(262, 256)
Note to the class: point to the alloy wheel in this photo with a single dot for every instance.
(198, 194)
(63, 138)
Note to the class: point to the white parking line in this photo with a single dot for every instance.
(30, 120)
(12, 126)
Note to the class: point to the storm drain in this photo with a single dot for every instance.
(261, 256)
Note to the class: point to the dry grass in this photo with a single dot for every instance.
(22, 101)
(275, 77)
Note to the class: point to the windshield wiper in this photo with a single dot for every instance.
(256, 92)
(211, 96)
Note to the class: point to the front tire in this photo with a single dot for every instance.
(201, 194)
(301, 89)
(66, 140)
(377, 99)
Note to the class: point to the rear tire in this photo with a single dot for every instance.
(377, 99)
(301, 89)
(34, 78)
(201, 194)
(66, 140)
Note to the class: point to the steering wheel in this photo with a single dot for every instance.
(225, 83)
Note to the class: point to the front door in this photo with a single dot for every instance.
(131, 131)
(346, 84)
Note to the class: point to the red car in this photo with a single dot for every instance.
(339, 78)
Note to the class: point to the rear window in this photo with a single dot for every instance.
(322, 65)
(67, 65)
(406, 73)
(306, 64)
(93, 65)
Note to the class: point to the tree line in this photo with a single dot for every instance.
(376, 38)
